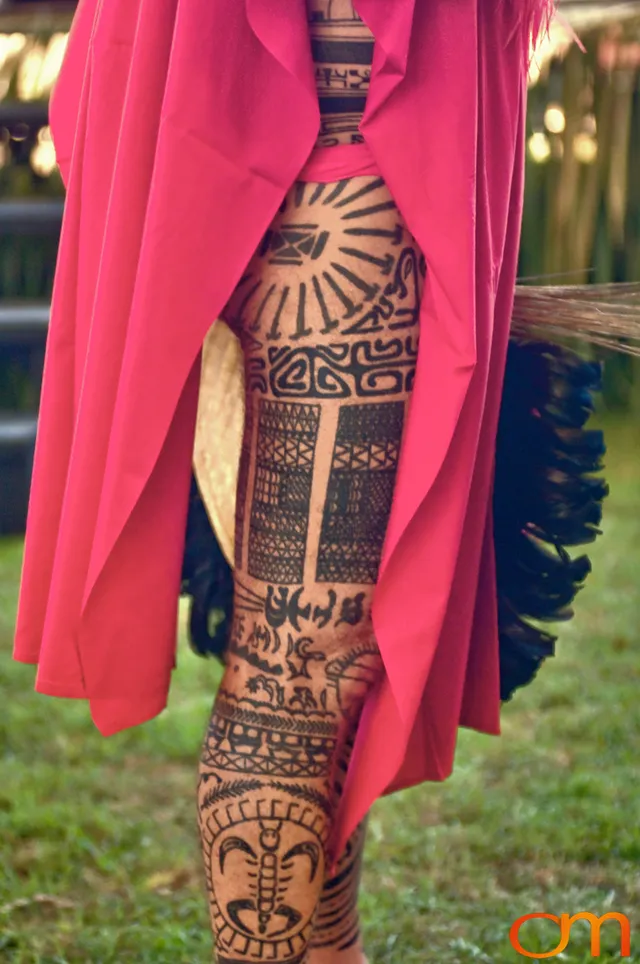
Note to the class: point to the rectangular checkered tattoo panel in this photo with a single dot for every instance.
(359, 492)
(287, 435)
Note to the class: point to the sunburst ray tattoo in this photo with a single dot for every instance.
(359, 270)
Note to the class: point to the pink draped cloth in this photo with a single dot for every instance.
(327, 164)
(179, 126)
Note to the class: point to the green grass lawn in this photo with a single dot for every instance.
(99, 857)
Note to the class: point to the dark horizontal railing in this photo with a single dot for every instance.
(23, 323)
(17, 429)
(33, 113)
(18, 16)
(31, 217)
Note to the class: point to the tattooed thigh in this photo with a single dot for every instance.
(328, 316)
(327, 313)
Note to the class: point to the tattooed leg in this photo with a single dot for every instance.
(263, 831)
(343, 51)
(272, 769)
(327, 313)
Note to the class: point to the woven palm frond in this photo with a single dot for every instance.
(606, 314)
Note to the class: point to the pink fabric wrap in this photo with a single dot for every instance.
(327, 164)
(179, 126)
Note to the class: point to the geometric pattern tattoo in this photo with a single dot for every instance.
(365, 368)
(359, 492)
(287, 435)
(336, 923)
(255, 747)
(342, 50)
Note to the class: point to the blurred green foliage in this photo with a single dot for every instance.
(581, 219)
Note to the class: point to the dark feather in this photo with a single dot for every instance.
(545, 498)
(207, 580)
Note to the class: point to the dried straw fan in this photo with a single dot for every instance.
(606, 314)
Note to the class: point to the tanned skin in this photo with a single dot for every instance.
(327, 315)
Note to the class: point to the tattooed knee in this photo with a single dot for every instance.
(315, 652)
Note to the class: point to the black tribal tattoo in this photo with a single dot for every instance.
(336, 923)
(287, 435)
(244, 837)
(363, 276)
(272, 768)
(241, 491)
(282, 606)
(342, 49)
(365, 369)
(248, 742)
(360, 492)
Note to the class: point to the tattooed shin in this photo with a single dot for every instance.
(336, 923)
(273, 766)
(272, 769)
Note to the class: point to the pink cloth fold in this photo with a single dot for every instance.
(327, 164)
(180, 125)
